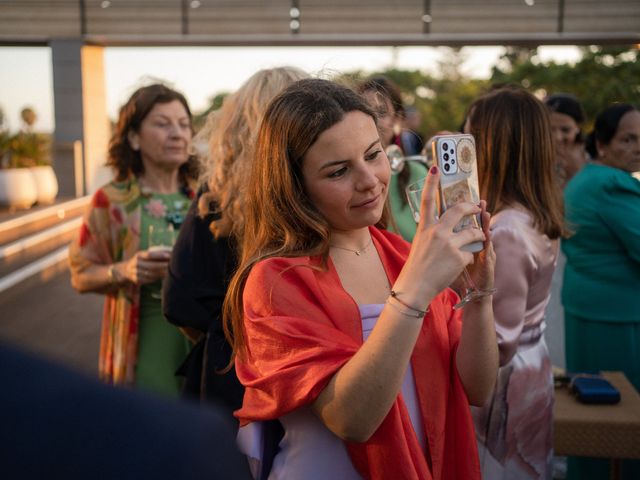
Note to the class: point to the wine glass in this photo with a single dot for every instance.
(469, 290)
(161, 239)
(398, 160)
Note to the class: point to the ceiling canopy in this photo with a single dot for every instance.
(321, 22)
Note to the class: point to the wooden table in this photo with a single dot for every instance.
(603, 431)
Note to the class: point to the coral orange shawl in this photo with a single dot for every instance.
(302, 326)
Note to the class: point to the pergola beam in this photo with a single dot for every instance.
(365, 40)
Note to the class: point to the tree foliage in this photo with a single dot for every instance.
(29, 117)
(215, 102)
(442, 101)
(442, 98)
(602, 76)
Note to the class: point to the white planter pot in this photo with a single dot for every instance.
(46, 184)
(17, 188)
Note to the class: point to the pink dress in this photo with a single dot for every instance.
(514, 429)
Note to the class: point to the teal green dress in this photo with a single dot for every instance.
(400, 210)
(601, 284)
(161, 346)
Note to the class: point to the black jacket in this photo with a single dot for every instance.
(193, 293)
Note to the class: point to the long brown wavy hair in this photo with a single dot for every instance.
(232, 131)
(123, 159)
(516, 156)
(280, 220)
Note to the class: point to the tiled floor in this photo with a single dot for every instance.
(54, 320)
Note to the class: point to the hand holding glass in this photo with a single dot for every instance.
(161, 239)
(470, 291)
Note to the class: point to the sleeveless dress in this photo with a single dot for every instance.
(310, 450)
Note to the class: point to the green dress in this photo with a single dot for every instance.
(601, 284)
(161, 346)
(400, 210)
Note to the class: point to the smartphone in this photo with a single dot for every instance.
(594, 389)
(455, 156)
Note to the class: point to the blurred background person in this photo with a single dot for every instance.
(410, 136)
(602, 273)
(205, 255)
(516, 172)
(154, 173)
(567, 117)
(384, 98)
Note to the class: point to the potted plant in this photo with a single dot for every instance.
(31, 150)
(39, 148)
(17, 186)
(26, 175)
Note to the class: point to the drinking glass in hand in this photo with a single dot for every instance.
(161, 239)
(469, 290)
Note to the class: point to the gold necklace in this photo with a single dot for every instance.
(357, 252)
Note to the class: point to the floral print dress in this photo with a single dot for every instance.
(111, 232)
(161, 346)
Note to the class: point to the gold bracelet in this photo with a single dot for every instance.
(422, 313)
(408, 314)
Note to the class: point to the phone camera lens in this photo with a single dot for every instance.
(446, 167)
(452, 151)
(446, 157)
(445, 146)
(453, 160)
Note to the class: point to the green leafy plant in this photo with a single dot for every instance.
(25, 148)
(29, 150)
(5, 148)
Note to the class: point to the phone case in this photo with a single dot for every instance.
(591, 389)
(456, 159)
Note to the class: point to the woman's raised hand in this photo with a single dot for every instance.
(482, 270)
(436, 258)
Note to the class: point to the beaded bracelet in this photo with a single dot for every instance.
(419, 313)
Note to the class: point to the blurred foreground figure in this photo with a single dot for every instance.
(59, 424)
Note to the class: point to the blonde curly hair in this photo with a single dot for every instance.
(232, 131)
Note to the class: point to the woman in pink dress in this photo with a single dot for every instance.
(516, 171)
